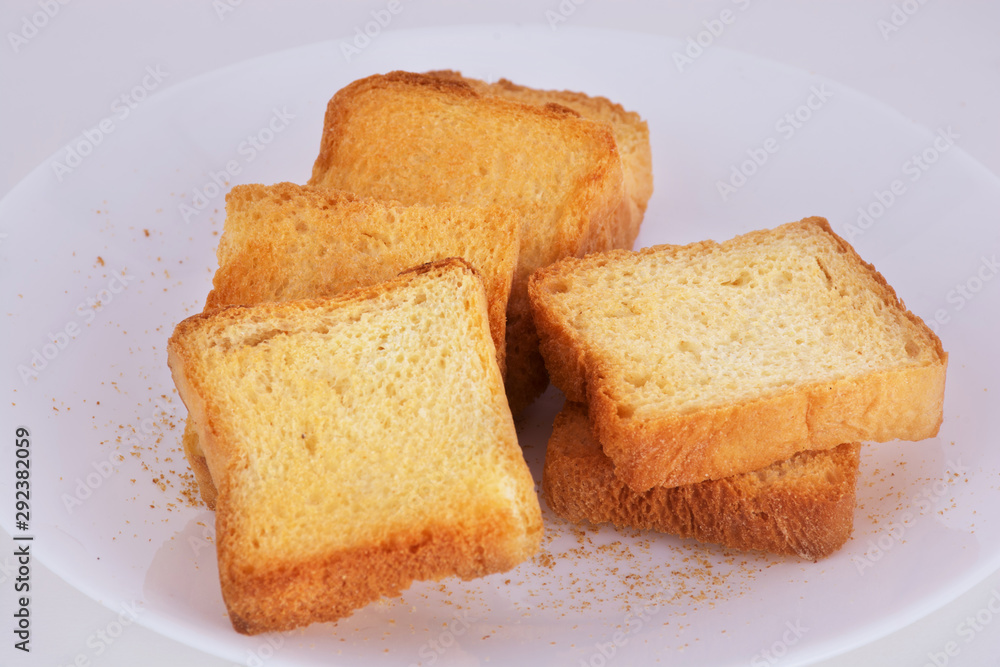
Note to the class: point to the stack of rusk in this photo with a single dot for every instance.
(350, 382)
(719, 391)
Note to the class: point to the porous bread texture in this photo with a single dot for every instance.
(422, 139)
(425, 140)
(359, 443)
(631, 136)
(284, 242)
(704, 361)
(802, 506)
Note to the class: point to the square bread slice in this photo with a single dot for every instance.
(802, 506)
(631, 135)
(359, 443)
(285, 242)
(708, 360)
(422, 139)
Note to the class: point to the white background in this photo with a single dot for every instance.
(940, 69)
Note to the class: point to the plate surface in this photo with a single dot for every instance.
(112, 241)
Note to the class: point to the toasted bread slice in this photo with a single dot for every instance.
(802, 506)
(359, 443)
(709, 360)
(631, 135)
(423, 139)
(285, 242)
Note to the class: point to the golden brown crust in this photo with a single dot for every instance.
(342, 106)
(674, 449)
(353, 241)
(331, 587)
(196, 435)
(529, 380)
(569, 188)
(631, 134)
(199, 465)
(803, 506)
(293, 587)
(191, 438)
(710, 444)
(560, 346)
(348, 241)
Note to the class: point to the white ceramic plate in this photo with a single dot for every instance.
(107, 510)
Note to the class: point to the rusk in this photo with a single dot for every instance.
(802, 506)
(631, 135)
(705, 361)
(422, 139)
(284, 242)
(359, 443)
